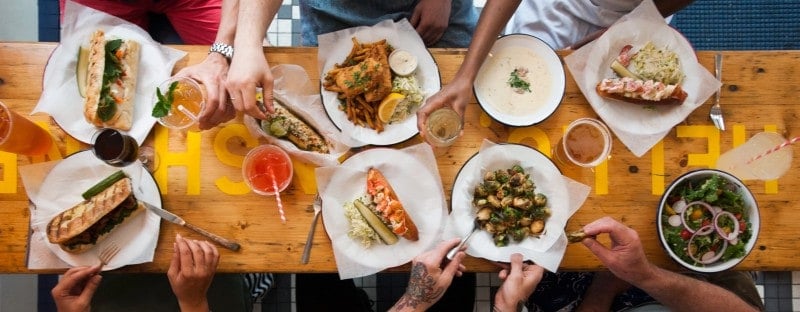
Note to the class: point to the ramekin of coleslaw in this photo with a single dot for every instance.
(708, 220)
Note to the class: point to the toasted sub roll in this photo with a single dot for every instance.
(641, 92)
(111, 82)
(284, 124)
(389, 207)
(86, 224)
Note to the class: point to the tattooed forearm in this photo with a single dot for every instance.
(422, 289)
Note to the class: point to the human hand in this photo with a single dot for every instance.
(429, 280)
(456, 94)
(625, 258)
(74, 291)
(249, 69)
(210, 73)
(519, 282)
(431, 18)
(191, 271)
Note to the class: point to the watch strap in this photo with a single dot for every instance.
(222, 48)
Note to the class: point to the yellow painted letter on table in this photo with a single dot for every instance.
(8, 161)
(225, 184)
(189, 158)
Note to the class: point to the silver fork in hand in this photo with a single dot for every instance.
(716, 110)
(317, 208)
(108, 253)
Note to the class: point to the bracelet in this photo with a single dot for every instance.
(222, 48)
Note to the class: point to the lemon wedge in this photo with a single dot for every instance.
(81, 70)
(388, 105)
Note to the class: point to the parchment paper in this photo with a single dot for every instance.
(56, 186)
(640, 127)
(564, 196)
(293, 88)
(60, 97)
(334, 48)
(413, 174)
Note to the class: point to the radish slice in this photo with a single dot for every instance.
(679, 206)
(721, 232)
(674, 220)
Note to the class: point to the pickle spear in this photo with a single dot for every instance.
(104, 184)
(383, 231)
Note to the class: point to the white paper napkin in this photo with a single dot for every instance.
(334, 48)
(293, 88)
(640, 127)
(57, 185)
(60, 97)
(564, 196)
(413, 174)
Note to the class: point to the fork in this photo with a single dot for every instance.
(716, 111)
(108, 253)
(317, 206)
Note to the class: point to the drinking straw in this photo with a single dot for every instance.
(187, 112)
(277, 196)
(776, 148)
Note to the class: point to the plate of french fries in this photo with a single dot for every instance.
(357, 84)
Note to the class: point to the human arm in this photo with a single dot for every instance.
(519, 282)
(665, 7)
(626, 259)
(212, 70)
(190, 272)
(429, 280)
(431, 18)
(458, 92)
(601, 292)
(249, 68)
(74, 291)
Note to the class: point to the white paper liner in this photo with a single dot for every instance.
(56, 186)
(293, 88)
(413, 174)
(640, 127)
(60, 97)
(564, 196)
(334, 48)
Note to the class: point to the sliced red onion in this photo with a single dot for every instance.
(734, 233)
(703, 231)
(683, 214)
(679, 206)
(674, 220)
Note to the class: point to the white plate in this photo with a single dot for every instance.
(546, 77)
(419, 193)
(77, 173)
(427, 75)
(548, 181)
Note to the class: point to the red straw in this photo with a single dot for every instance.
(277, 196)
(776, 148)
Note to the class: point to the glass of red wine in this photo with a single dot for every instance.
(115, 147)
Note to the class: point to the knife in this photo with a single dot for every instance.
(171, 217)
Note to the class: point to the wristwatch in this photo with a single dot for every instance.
(221, 48)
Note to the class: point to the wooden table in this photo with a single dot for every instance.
(200, 174)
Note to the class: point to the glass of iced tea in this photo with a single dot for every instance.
(20, 135)
(586, 143)
(267, 169)
(188, 100)
(114, 147)
(443, 127)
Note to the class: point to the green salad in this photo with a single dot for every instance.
(706, 221)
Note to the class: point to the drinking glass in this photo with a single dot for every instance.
(443, 127)
(114, 147)
(267, 169)
(586, 143)
(188, 100)
(750, 161)
(20, 135)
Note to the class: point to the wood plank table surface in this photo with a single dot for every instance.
(200, 175)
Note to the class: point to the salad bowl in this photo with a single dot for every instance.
(708, 220)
